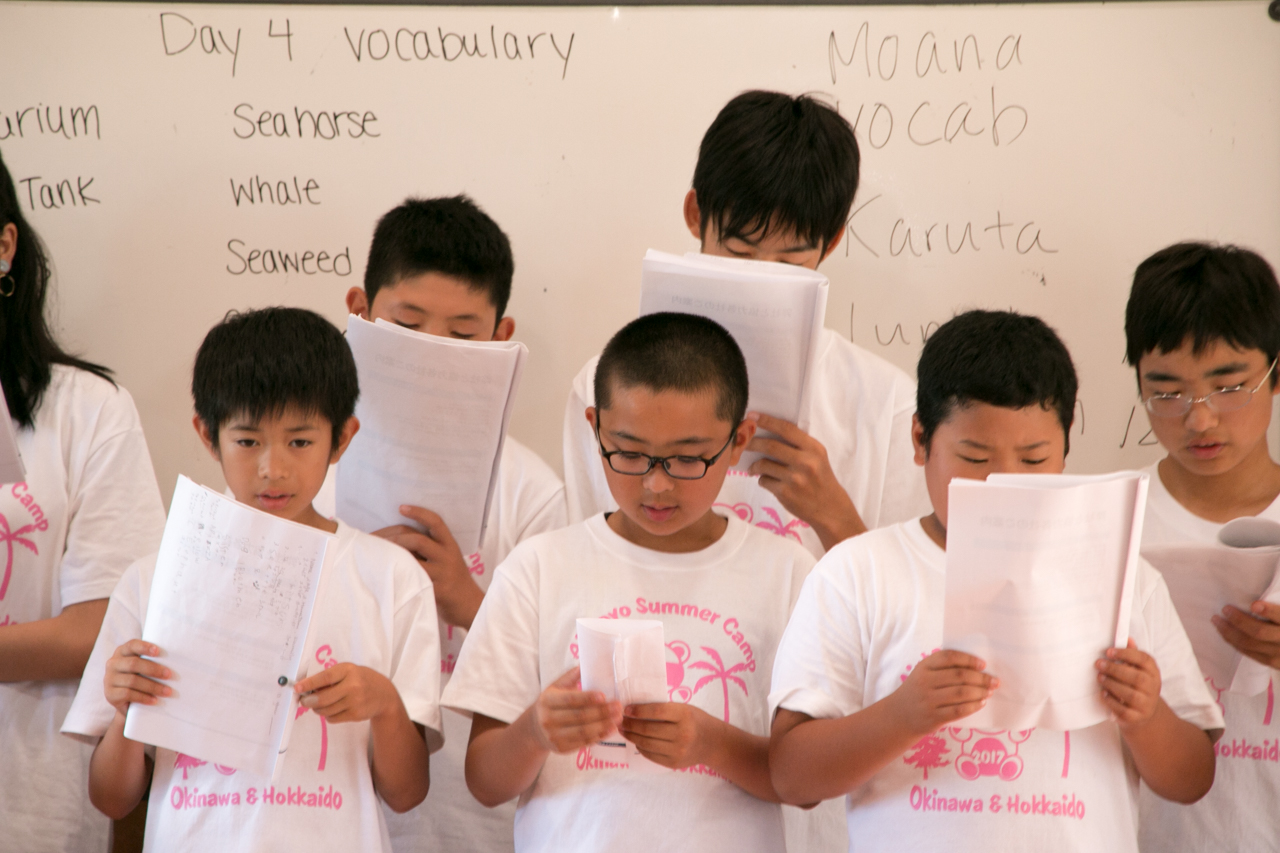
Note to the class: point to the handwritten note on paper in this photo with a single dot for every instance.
(1040, 575)
(433, 416)
(774, 311)
(11, 468)
(230, 605)
(624, 659)
(1239, 569)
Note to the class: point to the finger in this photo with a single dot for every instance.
(568, 738)
(334, 711)
(777, 451)
(140, 666)
(577, 717)
(395, 530)
(948, 658)
(1125, 694)
(650, 747)
(569, 680)
(1238, 639)
(1131, 656)
(655, 729)
(323, 678)
(651, 711)
(1258, 629)
(138, 684)
(960, 695)
(955, 676)
(785, 430)
(419, 545)
(432, 523)
(135, 697)
(1266, 610)
(1118, 709)
(138, 648)
(950, 713)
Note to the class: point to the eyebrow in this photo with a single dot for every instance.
(1221, 370)
(626, 436)
(980, 446)
(253, 427)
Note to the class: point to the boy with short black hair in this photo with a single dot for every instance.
(1203, 334)
(774, 181)
(274, 394)
(866, 704)
(673, 392)
(442, 266)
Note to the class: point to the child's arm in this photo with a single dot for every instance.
(677, 735)
(503, 760)
(1174, 757)
(1256, 634)
(813, 760)
(48, 649)
(458, 596)
(118, 774)
(796, 469)
(398, 758)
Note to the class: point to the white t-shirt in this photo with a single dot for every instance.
(860, 409)
(870, 611)
(375, 608)
(1240, 810)
(723, 610)
(528, 500)
(89, 508)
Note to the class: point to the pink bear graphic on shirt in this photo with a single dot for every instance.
(676, 690)
(995, 753)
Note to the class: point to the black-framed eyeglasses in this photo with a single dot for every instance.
(678, 467)
(1222, 400)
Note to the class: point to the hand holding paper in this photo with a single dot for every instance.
(567, 718)
(625, 660)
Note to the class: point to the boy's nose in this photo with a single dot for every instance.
(658, 480)
(270, 466)
(1200, 417)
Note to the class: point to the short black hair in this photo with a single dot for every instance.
(772, 161)
(1204, 293)
(1000, 358)
(258, 363)
(675, 352)
(451, 236)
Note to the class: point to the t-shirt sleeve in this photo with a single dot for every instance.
(498, 672)
(415, 652)
(586, 492)
(90, 713)
(1157, 630)
(820, 668)
(114, 511)
(905, 496)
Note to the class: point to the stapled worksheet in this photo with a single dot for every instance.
(624, 659)
(230, 606)
(774, 311)
(1239, 569)
(433, 416)
(1040, 573)
(11, 468)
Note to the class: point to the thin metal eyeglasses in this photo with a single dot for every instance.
(678, 467)
(1222, 400)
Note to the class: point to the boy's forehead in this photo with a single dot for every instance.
(989, 424)
(291, 416)
(635, 407)
(1211, 354)
(433, 293)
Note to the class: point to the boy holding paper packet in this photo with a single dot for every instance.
(866, 703)
(274, 391)
(672, 390)
(774, 181)
(1203, 333)
(442, 266)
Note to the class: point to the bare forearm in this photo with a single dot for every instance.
(1174, 757)
(118, 777)
(839, 522)
(399, 761)
(503, 760)
(51, 649)
(821, 759)
(743, 759)
(459, 606)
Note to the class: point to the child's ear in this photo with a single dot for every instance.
(693, 215)
(358, 302)
(206, 437)
(504, 330)
(741, 438)
(831, 247)
(591, 415)
(917, 440)
(349, 430)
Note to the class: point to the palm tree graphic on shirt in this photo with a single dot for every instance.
(719, 673)
(9, 536)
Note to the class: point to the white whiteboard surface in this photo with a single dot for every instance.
(1116, 129)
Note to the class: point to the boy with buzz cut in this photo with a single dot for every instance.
(774, 181)
(868, 706)
(1203, 332)
(274, 394)
(671, 392)
(442, 266)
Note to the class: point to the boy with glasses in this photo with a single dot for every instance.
(671, 396)
(1203, 332)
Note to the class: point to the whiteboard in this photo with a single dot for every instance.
(1014, 156)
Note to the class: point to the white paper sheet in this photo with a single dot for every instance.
(433, 416)
(230, 606)
(11, 468)
(1239, 569)
(1040, 575)
(624, 659)
(774, 311)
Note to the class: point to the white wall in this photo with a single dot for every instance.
(1116, 129)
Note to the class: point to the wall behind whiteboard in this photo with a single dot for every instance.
(1014, 156)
